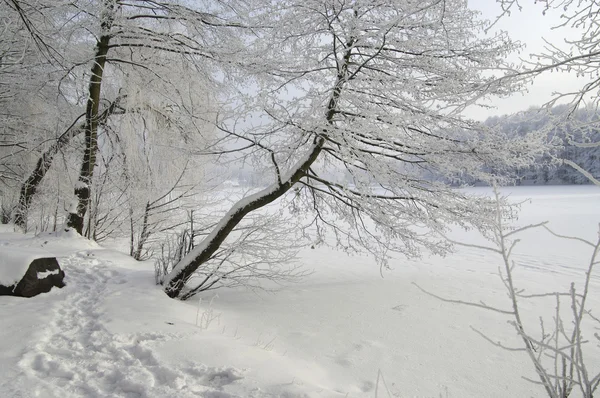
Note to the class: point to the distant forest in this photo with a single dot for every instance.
(568, 141)
(568, 138)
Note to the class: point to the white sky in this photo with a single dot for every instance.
(530, 27)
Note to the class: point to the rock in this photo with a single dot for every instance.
(41, 275)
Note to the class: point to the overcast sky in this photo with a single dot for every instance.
(529, 26)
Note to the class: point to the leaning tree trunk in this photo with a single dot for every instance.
(31, 184)
(183, 271)
(82, 190)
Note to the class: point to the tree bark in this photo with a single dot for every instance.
(82, 190)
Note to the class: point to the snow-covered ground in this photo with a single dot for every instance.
(343, 332)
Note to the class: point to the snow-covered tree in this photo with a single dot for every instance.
(104, 45)
(553, 168)
(158, 172)
(375, 89)
(579, 55)
(29, 96)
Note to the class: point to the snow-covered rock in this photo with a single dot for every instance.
(15, 261)
(27, 271)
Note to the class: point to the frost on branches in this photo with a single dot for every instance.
(579, 56)
(86, 56)
(357, 105)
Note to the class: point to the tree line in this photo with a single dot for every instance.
(571, 136)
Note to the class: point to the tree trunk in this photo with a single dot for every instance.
(31, 184)
(144, 234)
(182, 272)
(82, 190)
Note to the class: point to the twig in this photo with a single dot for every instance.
(468, 303)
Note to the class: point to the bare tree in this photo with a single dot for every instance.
(559, 350)
(376, 90)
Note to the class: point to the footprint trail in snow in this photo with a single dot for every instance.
(76, 356)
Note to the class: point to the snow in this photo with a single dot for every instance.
(18, 251)
(15, 261)
(342, 332)
(45, 274)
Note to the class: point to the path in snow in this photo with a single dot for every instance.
(77, 356)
